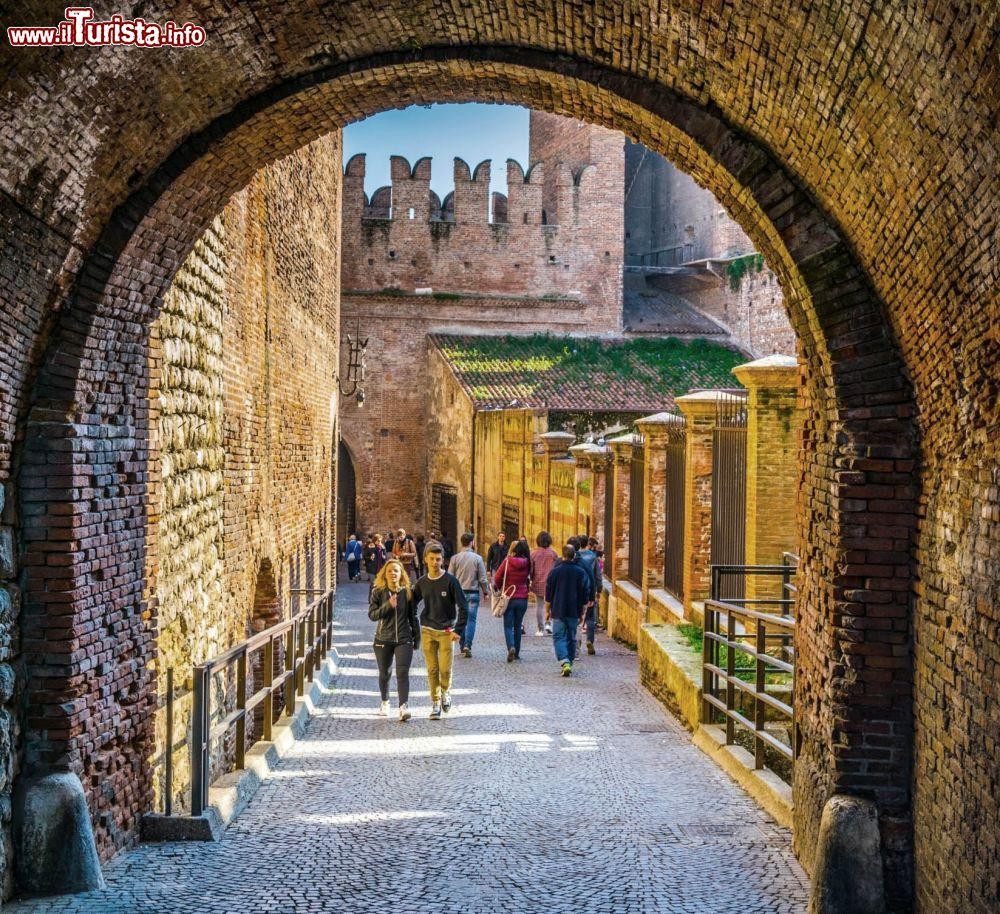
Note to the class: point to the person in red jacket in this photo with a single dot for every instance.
(514, 571)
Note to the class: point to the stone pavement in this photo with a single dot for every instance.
(536, 794)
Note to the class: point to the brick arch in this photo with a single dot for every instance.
(855, 438)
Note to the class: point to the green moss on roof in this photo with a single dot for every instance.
(555, 372)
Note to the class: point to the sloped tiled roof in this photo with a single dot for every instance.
(585, 374)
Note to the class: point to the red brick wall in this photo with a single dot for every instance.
(754, 312)
(387, 436)
(579, 255)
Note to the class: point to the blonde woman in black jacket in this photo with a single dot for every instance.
(392, 606)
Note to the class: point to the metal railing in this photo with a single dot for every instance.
(748, 661)
(637, 495)
(307, 638)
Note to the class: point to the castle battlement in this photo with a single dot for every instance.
(409, 195)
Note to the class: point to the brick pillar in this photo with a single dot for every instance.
(655, 429)
(774, 425)
(616, 545)
(699, 409)
(598, 459)
(555, 445)
(585, 485)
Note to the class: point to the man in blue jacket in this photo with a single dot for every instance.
(586, 555)
(568, 590)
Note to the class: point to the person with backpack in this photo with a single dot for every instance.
(587, 557)
(542, 560)
(442, 622)
(514, 573)
(397, 633)
(405, 550)
(353, 555)
(567, 593)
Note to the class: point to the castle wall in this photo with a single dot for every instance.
(669, 218)
(458, 249)
(242, 361)
(753, 311)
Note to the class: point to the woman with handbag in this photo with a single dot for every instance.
(512, 579)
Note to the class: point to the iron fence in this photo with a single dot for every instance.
(636, 509)
(609, 509)
(748, 663)
(673, 533)
(307, 636)
(729, 489)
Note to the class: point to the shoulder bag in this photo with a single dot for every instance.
(500, 598)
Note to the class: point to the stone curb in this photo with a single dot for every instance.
(229, 796)
(764, 786)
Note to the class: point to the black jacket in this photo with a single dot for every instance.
(394, 625)
(495, 556)
(444, 602)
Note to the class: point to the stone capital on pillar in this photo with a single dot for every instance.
(593, 455)
(656, 429)
(622, 447)
(701, 406)
(556, 444)
(773, 371)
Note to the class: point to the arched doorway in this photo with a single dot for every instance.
(808, 217)
(347, 497)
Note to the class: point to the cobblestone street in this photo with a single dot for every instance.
(536, 794)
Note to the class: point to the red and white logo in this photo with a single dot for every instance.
(79, 29)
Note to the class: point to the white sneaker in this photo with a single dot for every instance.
(404, 713)
(383, 709)
(435, 712)
(540, 633)
(548, 628)
(446, 702)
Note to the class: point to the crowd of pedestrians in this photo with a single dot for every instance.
(424, 595)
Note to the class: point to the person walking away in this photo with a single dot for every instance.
(371, 558)
(542, 559)
(448, 546)
(397, 633)
(442, 623)
(516, 569)
(352, 555)
(419, 543)
(588, 558)
(405, 550)
(497, 553)
(567, 593)
(467, 566)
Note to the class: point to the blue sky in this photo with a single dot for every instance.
(472, 132)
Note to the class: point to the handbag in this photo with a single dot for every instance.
(500, 598)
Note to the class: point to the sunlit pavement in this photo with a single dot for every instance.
(536, 794)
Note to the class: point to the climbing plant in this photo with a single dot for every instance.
(738, 268)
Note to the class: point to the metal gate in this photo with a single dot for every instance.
(729, 490)
(609, 516)
(444, 510)
(636, 504)
(510, 518)
(673, 545)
